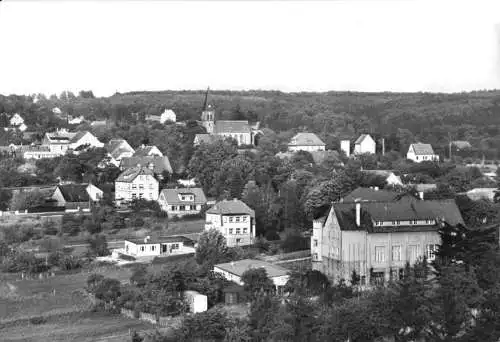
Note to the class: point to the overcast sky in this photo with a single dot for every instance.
(109, 46)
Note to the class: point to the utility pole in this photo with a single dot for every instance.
(449, 140)
(383, 146)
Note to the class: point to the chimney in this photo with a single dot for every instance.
(358, 214)
(421, 195)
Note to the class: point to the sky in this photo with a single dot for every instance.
(109, 46)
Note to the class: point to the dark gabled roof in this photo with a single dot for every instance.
(306, 139)
(74, 192)
(234, 206)
(446, 210)
(172, 195)
(371, 195)
(227, 126)
(361, 138)
(422, 149)
(130, 174)
(160, 164)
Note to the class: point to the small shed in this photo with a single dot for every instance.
(233, 294)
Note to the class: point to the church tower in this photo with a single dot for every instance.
(208, 115)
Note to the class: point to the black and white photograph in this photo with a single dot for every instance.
(249, 170)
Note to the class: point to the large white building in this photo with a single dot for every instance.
(306, 142)
(421, 152)
(234, 219)
(136, 183)
(365, 144)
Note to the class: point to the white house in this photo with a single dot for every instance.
(76, 120)
(233, 271)
(136, 183)
(62, 140)
(168, 115)
(421, 152)
(183, 201)
(345, 146)
(306, 142)
(16, 120)
(365, 144)
(160, 246)
(234, 219)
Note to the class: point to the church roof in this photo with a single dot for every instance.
(236, 126)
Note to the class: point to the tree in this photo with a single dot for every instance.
(5, 197)
(310, 283)
(26, 199)
(256, 280)
(209, 325)
(211, 249)
(108, 290)
(98, 245)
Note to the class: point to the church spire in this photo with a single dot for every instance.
(205, 103)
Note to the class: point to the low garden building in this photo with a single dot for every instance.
(160, 246)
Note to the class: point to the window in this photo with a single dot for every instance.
(182, 208)
(134, 186)
(225, 219)
(393, 223)
(412, 253)
(141, 186)
(238, 240)
(134, 196)
(396, 253)
(398, 223)
(238, 230)
(237, 219)
(315, 244)
(230, 230)
(183, 198)
(141, 195)
(230, 219)
(245, 230)
(174, 208)
(379, 254)
(315, 256)
(430, 252)
(415, 221)
(142, 248)
(175, 246)
(244, 218)
(152, 248)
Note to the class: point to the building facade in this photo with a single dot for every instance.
(234, 219)
(306, 142)
(183, 201)
(136, 183)
(421, 152)
(161, 246)
(377, 239)
(365, 144)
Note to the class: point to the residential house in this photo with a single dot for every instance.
(158, 246)
(76, 120)
(117, 150)
(365, 144)
(390, 176)
(461, 145)
(76, 196)
(35, 152)
(233, 271)
(345, 146)
(423, 187)
(183, 201)
(306, 142)
(136, 183)
(57, 111)
(99, 123)
(62, 140)
(16, 120)
(167, 115)
(377, 239)
(421, 152)
(157, 164)
(147, 151)
(234, 219)
(373, 194)
(477, 194)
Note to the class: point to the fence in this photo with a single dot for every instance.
(163, 321)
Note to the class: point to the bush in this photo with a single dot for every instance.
(38, 320)
(272, 235)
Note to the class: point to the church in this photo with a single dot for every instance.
(240, 130)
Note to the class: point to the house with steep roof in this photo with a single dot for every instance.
(182, 201)
(136, 183)
(63, 140)
(117, 150)
(167, 115)
(156, 164)
(365, 144)
(421, 152)
(147, 151)
(234, 219)
(76, 196)
(306, 142)
(233, 271)
(16, 120)
(377, 239)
